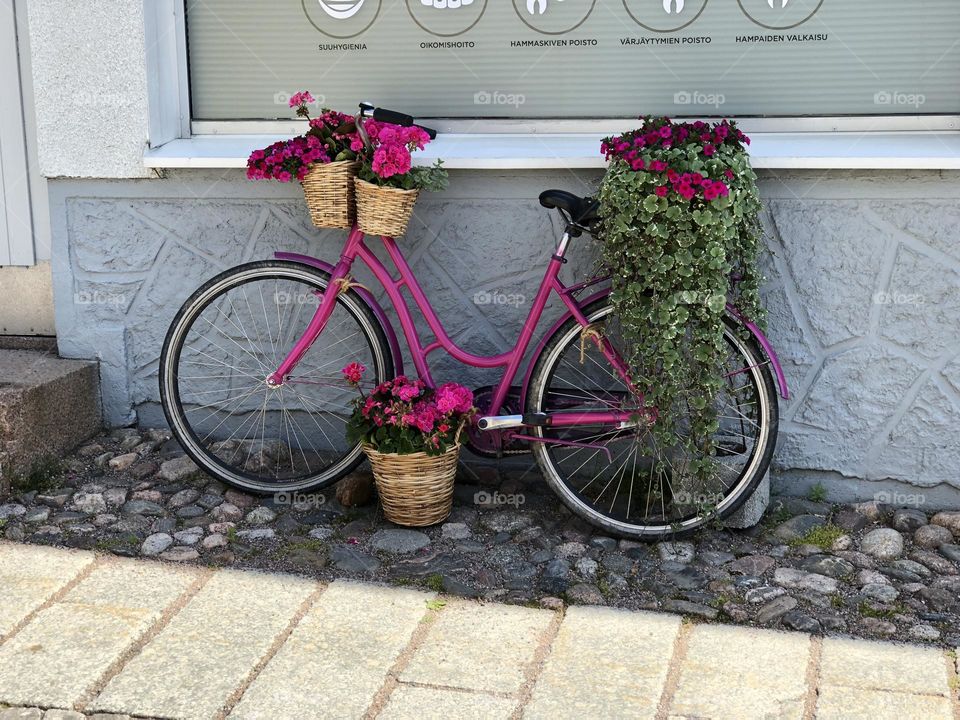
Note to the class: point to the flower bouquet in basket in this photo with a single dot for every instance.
(387, 184)
(324, 160)
(411, 435)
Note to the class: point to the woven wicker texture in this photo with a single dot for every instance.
(416, 489)
(328, 190)
(384, 211)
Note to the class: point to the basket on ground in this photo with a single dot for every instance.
(328, 190)
(416, 489)
(384, 210)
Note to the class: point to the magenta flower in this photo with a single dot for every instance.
(301, 98)
(353, 373)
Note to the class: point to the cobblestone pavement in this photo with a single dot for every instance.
(870, 570)
(93, 635)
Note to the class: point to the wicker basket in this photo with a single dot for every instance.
(328, 189)
(384, 211)
(416, 489)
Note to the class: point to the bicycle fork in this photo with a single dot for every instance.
(328, 301)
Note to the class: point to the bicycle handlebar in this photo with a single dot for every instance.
(396, 118)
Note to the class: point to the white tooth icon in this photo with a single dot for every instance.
(341, 9)
(446, 4)
(668, 6)
(538, 7)
(772, 3)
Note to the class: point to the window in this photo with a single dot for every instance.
(577, 58)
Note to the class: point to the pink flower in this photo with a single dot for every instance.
(658, 165)
(709, 150)
(452, 397)
(301, 98)
(354, 373)
(661, 191)
(408, 392)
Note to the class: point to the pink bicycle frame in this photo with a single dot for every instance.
(355, 248)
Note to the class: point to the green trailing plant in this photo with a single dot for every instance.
(681, 234)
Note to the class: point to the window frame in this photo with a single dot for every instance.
(170, 113)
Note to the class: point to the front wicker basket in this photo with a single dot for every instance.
(328, 190)
(417, 489)
(383, 210)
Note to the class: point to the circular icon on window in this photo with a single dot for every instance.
(446, 18)
(341, 19)
(779, 14)
(553, 17)
(664, 16)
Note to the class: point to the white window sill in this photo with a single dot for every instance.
(801, 150)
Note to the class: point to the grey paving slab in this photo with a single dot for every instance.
(30, 575)
(595, 668)
(736, 673)
(479, 647)
(67, 647)
(846, 703)
(419, 703)
(337, 658)
(192, 667)
(883, 666)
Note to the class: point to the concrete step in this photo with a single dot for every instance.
(48, 405)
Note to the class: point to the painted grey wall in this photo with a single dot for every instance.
(863, 291)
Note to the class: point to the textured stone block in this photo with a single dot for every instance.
(592, 638)
(739, 673)
(337, 658)
(30, 575)
(193, 666)
(48, 405)
(478, 647)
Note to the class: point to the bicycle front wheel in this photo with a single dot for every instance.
(224, 343)
(624, 480)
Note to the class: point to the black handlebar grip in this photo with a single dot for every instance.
(392, 116)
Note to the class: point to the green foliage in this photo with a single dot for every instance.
(435, 582)
(822, 536)
(672, 259)
(818, 493)
(433, 178)
(42, 475)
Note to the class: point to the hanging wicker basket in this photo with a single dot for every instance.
(328, 190)
(383, 210)
(417, 489)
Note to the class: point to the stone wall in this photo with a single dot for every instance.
(863, 292)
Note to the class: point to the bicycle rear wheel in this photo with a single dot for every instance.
(622, 479)
(224, 343)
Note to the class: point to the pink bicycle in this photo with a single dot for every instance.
(251, 385)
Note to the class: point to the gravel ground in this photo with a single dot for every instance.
(867, 570)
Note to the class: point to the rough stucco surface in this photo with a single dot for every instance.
(89, 79)
(863, 292)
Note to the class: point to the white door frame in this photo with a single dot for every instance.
(16, 217)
